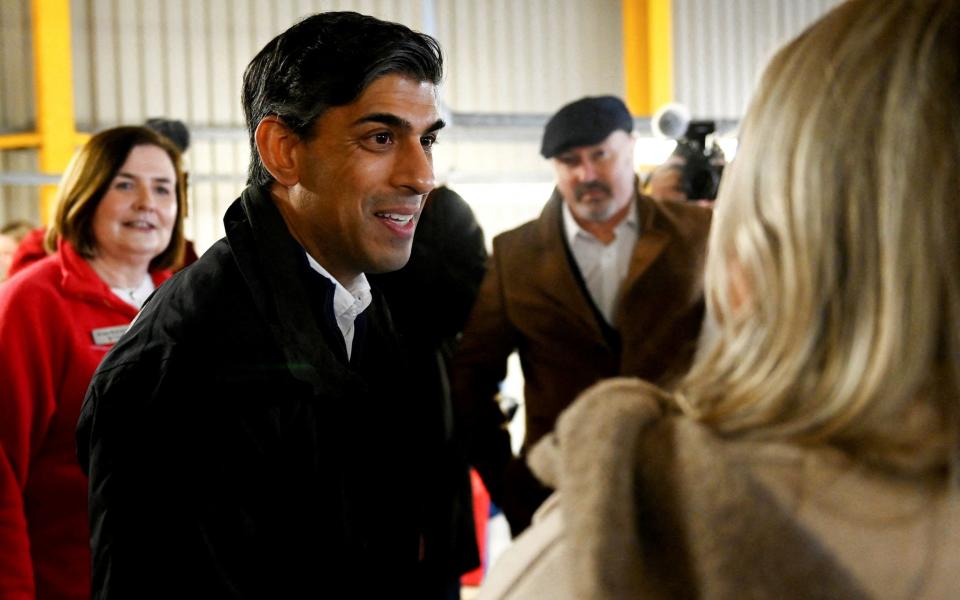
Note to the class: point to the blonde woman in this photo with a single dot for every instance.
(811, 452)
(117, 231)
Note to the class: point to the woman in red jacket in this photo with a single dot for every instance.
(117, 231)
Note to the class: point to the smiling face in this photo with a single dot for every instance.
(361, 179)
(597, 181)
(134, 220)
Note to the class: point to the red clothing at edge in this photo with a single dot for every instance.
(48, 355)
(29, 250)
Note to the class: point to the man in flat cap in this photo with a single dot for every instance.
(605, 282)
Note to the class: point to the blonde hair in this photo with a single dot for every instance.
(86, 180)
(839, 218)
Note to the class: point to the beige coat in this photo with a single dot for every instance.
(657, 506)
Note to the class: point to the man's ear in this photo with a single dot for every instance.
(276, 143)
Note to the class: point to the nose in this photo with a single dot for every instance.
(145, 198)
(585, 171)
(414, 169)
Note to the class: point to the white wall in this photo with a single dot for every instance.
(16, 108)
(510, 63)
(721, 46)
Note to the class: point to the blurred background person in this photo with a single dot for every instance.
(118, 228)
(666, 181)
(605, 282)
(691, 173)
(10, 236)
(33, 247)
(430, 299)
(812, 451)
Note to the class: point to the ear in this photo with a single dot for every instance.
(276, 143)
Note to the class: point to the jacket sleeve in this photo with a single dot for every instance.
(28, 351)
(479, 367)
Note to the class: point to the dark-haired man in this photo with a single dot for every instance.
(605, 282)
(252, 436)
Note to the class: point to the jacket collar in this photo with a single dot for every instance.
(559, 282)
(80, 281)
(652, 241)
(273, 266)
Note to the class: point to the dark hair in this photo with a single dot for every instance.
(325, 60)
(86, 181)
(174, 130)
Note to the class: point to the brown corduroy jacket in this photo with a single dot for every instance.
(533, 300)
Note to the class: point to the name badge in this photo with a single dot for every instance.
(107, 336)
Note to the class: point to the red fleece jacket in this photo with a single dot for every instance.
(49, 313)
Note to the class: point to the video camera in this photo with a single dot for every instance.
(702, 164)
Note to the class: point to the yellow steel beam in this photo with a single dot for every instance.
(12, 141)
(15, 141)
(647, 54)
(53, 73)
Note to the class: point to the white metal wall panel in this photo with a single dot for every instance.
(183, 58)
(135, 59)
(16, 66)
(529, 56)
(19, 202)
(16, 107)
(518, 57)
(721, 47)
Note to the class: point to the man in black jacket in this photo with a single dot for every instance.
(253, 435)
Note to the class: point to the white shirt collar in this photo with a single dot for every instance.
(347, 304)
(136, 296)
(603, 267)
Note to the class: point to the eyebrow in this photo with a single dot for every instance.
(132, 176)
(392, 120)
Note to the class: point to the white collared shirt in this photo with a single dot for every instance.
(347, 304)
(136, 296)
(603, 266)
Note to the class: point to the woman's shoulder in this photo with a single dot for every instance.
(739, 513)
(628, 425)
(626, 410)
(33, 309)
(599, 435)
(612, 400)
(32, 285)
(610, 416)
